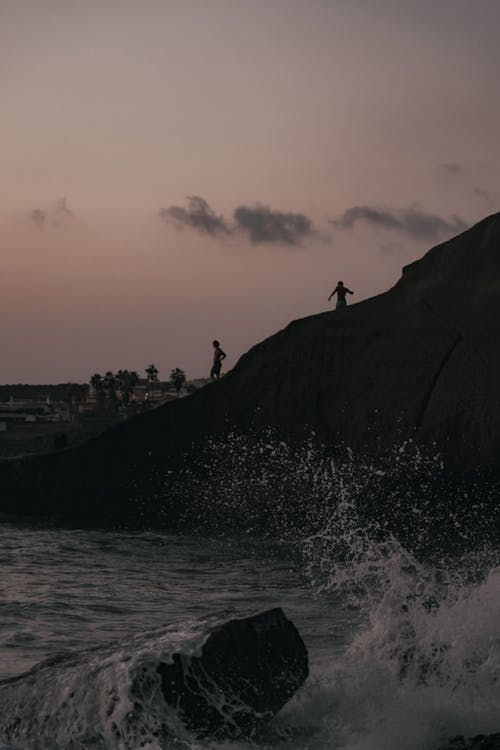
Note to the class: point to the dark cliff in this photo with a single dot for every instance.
(420, 361)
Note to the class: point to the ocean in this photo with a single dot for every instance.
(404, 654)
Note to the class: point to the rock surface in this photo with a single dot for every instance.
(248, 669)
(420, 361)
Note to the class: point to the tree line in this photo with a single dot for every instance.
(114, 389)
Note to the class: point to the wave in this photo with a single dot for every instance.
(105, 699)
(423, 664)
(421, 661)
(410, 555)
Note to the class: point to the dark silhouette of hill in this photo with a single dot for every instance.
(419, 361)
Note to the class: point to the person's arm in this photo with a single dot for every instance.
(331, 295)
(350, 291)
(222, 354)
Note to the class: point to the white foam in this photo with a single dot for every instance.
(107, 699)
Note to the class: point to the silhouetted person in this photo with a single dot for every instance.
(219, 355)
(341, 291)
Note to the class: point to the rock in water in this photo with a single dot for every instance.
(248, 669)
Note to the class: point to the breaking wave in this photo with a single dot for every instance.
(108, 698)
(408, 590)
(423, 664)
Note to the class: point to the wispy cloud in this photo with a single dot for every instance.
(198, 215)
(390, 248)
(61, 211)
(487, 196)
(455, 169)
(412, 222)
(38, 216)
(265, 225)
(57, 215)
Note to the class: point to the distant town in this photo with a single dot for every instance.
(38, 419)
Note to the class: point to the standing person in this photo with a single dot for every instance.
(341, 291)
(219, 355)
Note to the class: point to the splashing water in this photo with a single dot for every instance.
(418, 660)
(423, 665)
(268, 487)
(108, 699)
(424, 661)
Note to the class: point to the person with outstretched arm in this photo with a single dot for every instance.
(341, 291)
(219, 355)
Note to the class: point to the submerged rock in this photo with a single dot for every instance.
(479, 742)
(246, 672)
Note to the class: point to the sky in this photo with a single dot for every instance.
(175, 171)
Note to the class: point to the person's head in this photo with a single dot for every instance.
(340, 283)
(216, 344)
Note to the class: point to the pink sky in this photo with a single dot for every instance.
(385, 110)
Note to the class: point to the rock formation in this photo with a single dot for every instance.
(246, 672)
(419, 361)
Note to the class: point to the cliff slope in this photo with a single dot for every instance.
(421, 361)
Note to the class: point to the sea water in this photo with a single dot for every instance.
(404, 654)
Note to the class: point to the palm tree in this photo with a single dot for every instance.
(121, 378)
(134, 378)
(126, 381)
(97, 383)
(178, 378)
(109, 380)
(152, 373)
(109, 383)
(132, 381)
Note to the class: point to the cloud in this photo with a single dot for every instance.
(261, 223)
(265, 225)
(487, 196)
(61, 211)
(197, 215)
(390, 248)
(412, 222)
(454, 169)
(57, 215)
(38, 216)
